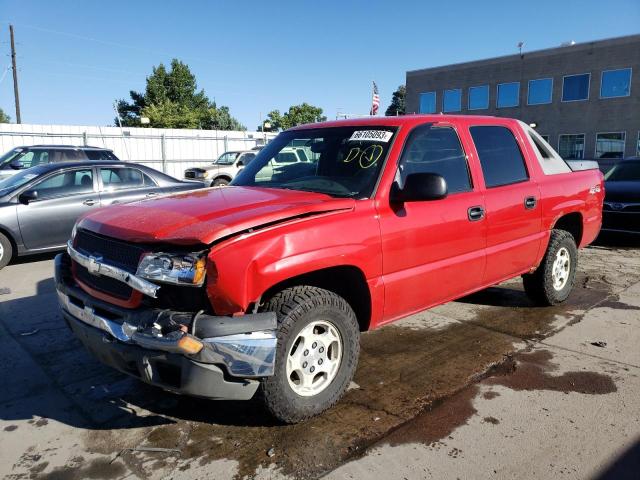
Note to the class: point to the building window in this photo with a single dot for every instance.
(428, 102)
(610, 145)
(571, 147)
(540, 91)
(479, 97)
(615, 83)
(576, 87)
(452, 100)
(500, 157)
(508, 95)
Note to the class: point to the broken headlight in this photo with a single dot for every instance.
(177, 268)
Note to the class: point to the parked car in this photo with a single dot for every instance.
(20, 158)
(621, 211)
(223, 170)
(39, 206)
(269, 282)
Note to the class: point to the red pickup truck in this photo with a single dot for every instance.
(269, 282)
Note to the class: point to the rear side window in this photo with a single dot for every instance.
(500, 157)
(121, 178)
(100, 155)
(436, 150)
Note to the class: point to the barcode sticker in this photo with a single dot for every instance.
(371, 136)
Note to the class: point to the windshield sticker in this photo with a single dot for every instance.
(371, 136)
(367, 157)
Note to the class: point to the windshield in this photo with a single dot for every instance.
(11, 155)
(227, 158)
(11, 183)
(624, 172)
(338, 161)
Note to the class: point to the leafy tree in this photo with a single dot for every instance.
(4, 118)
(297, 115)
(171, 100)
(397, 106)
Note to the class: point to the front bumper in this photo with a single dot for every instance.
(235, 352)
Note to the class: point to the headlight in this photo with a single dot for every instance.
(206, 174)
(178, 268)
(74, 231)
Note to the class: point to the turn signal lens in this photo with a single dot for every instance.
(190, 345)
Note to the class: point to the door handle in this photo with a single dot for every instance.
(530, 203)
(90, 202)
(152, 194)
(475, 213)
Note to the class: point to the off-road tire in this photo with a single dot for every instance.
(296, 307)
(6, 252)
(539, 284)
(218, 182)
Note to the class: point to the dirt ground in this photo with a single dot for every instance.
(63, 415)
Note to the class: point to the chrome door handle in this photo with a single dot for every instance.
(530, 203)
(90, 202)
(475, 213)
(152, 194)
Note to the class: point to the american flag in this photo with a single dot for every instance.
(375, 100)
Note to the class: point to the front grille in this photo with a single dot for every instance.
(621, 221)
(189, 174)
(107, 285)
(114, 252)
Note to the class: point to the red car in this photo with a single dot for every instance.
(269, 282)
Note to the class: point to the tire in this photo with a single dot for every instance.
(218, 182)
(6, 251)
(546, 286)
(303, 311)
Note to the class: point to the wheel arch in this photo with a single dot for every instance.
(347, 281)
(14, 245)
(572, 223)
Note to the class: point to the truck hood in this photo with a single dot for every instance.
(204, 216)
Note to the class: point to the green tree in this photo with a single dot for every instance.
(172, 100)
(4, 118)
(397, 106)
(297, 115)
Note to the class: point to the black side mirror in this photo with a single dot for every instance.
(418, 187)
(240, 163)
(16, 165)
(28, 196)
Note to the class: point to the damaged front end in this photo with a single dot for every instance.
(187, 352)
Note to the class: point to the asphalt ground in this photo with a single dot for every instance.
(489, 386)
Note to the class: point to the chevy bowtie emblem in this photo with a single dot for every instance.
(94, 265)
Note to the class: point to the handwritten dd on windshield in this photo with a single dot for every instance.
(366, 158)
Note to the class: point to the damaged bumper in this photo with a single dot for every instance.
(230, 354)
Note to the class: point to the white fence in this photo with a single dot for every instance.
(168, 150)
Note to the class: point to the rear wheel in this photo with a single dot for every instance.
(218, 182)
(553, 281)
(317, 353)
(6, 251)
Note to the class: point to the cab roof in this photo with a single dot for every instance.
(401, 120)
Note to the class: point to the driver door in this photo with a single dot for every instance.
(62, 198)
(433, 250)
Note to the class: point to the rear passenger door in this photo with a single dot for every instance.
(513, 212)
(433, 250)
(125, 184)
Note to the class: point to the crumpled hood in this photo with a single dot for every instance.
(204, 216)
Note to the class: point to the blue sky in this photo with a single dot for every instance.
(76, 57)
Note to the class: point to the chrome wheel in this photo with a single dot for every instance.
(1, 251)
(561, 269)
(314, 358)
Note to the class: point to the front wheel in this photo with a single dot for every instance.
(553, 281)
(317, 353)
(6, 251)
(220, 182)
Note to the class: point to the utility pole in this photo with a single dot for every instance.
(15, 75)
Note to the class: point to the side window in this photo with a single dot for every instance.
(247, 157)
(100, 155)
(73, 156)
(121, 178)
(436, 150)
(500, 157)
(67, 183)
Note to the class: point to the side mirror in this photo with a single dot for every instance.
(28, 196)
(240, 163)
(418, 187)
(16, 165)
